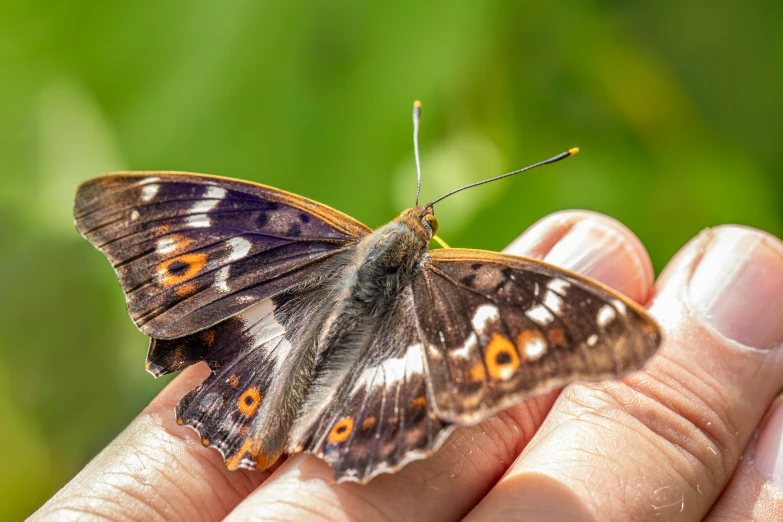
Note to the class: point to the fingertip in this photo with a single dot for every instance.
(732, 278)
(593, 245)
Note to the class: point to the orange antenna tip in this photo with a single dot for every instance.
(573, 151)
(417, 104)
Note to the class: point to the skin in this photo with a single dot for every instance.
(675, 441)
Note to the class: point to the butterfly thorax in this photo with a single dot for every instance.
(387, 259)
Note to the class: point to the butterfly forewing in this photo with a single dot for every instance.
(192, 250)
(501, 328)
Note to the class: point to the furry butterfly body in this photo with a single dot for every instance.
(362, 347)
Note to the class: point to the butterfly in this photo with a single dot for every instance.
(362, 347)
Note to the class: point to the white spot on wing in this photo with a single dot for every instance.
(534, 348)
(166, 245)
(214, 192)
(394, 370)
(134, 215)
(148, 192)
(620, 306)
(222, 279)
(239, 248)
(198, 221)
(540, 314)
(553, 302)
(605, 315)
(414, 359)
(265, 330)
(484, 314)
(592, 340)
(464, 351)
(559, 286)
(212, 197)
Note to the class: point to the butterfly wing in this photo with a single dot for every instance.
(380, 415)
(192, 250)
(499, 328)
(261, 360)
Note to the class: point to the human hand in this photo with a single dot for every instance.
(675, 441)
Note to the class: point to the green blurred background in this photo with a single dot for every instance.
(677, 110)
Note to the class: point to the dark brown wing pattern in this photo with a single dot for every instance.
(192, 250)
(500, 328)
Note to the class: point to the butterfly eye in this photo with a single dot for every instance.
(432, 222)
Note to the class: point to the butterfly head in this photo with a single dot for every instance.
(420, 219)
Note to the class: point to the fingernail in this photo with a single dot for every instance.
(597, 251)
(768, 457)
(738, 286)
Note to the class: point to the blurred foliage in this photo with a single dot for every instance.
(677, 109)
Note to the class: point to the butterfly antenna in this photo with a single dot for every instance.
(562, 155)
(416, 119)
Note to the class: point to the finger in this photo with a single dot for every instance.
(756, 488)
(664, 441)
(593, 245)
(154, 470)
(452, 481)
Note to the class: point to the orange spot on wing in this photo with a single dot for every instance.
(187, 265)
(501, 358)
(250, 445)
(179, 243)
(205, 441)
(233, 381)
(341, 430)
(186, 290)
(556, 336)
(477, 372)
(368, 423)
(180, 421)
(208, 336)
(253, 447)
(418, 402)
(249, 401)
(263, 460)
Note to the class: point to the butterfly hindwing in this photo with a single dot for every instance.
(500, 328)
(381, 415)
(192, 250)
(261, 362)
